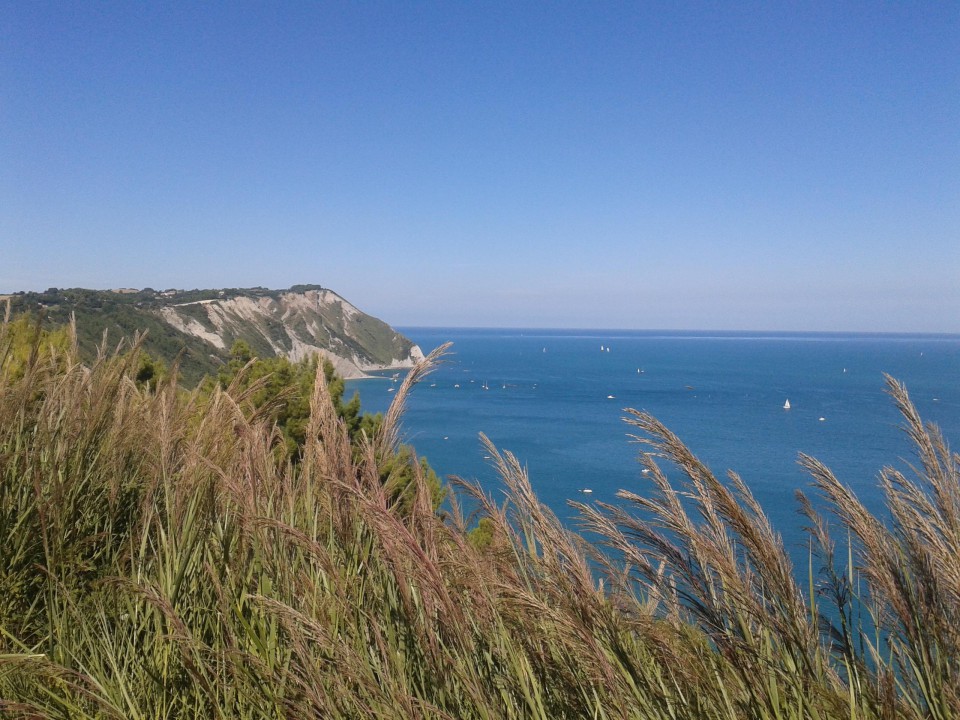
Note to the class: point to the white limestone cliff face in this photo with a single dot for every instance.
(297, 325)
(191, 326)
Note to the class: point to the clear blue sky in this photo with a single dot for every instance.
(677, 165)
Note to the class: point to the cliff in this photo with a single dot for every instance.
(200, 326)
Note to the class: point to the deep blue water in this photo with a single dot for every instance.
(722, 393)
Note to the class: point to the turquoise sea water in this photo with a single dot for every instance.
(722, 393)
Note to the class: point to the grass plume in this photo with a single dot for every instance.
(163, 555)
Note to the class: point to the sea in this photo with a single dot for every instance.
(557, 400)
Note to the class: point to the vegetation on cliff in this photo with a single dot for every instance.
(195, 329)
(168, 553)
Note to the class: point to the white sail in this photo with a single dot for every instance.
(786, 405)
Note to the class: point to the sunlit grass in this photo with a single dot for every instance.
(163, 556)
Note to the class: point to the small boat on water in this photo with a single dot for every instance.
(786, 405)
(586, 490)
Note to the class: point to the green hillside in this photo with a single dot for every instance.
(113, 316)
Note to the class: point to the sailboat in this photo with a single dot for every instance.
(786, 405)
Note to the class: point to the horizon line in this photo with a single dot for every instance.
(701, 332)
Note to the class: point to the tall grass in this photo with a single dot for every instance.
(162, 557)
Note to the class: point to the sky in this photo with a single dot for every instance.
(739, 166)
